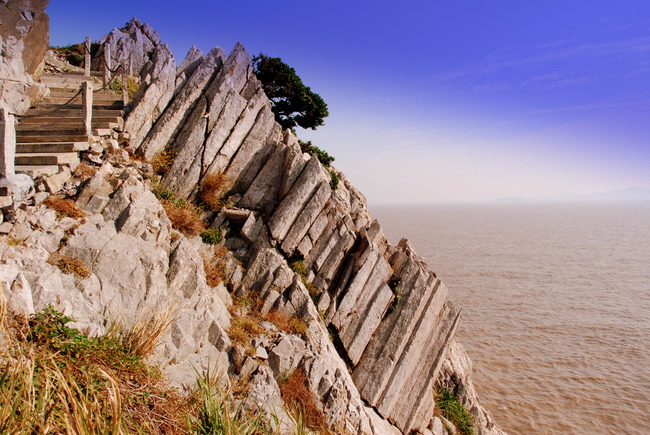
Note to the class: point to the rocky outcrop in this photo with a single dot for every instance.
(386, 310)
(379, 331)
(456, 376)
(24, 40)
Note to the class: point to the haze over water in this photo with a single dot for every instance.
(556, 301)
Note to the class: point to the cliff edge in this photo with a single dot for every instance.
(378, 336)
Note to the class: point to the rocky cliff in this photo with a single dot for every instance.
(379, 331)
(24, 37)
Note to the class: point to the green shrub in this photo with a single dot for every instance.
(321, 155)
(213, 236)
(455, 412)
(334, 179)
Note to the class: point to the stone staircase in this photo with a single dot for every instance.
(45, 142)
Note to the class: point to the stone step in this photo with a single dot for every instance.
(67, 93)
(64, 132)
(53, 147)
(62, 92)
(38, 159)
(117, 105)
(52, 138)
(65, 124)
(75, 112)
(106, 100)
(108, 120)
(69, 82)
(35, 171)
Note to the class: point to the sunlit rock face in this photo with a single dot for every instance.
(24, 40)
(379, 331)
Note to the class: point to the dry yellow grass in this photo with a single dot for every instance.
(215, 187)
(185, 217)
(291, 325)
(297, 396)
(71, 265)
(64, 207)
(215, 266)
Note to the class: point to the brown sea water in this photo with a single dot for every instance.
(556, 301)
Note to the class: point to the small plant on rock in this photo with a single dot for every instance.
(453, 410)
(70, 265)
(215, 187)
(297, 396)
(64, 207)
(213, 236)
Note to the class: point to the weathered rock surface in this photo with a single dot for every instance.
(24, 40)
(379, 334)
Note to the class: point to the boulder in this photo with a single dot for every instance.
(24, 40)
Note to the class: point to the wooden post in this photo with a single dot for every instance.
(87, 59)
(8, 145)
(87, 107)
(108, 64)
(125, 89)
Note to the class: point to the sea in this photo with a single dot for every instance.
(556, 307)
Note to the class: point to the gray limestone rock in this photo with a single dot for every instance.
(168, 125)
(156, 90)
(24, 40)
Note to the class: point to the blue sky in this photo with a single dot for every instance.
(435, 100)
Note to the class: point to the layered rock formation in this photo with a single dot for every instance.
(379, 335)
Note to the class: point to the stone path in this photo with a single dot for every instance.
(45, 142)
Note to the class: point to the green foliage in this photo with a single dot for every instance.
(334, 179)
(75, 54)
(324, 158)
(294, 104)
(298, 266)
(321, 155)
(213, 236)
(455, 412)
(132, 86)
(217, 414)
(48, 331)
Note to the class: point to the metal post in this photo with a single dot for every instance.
(108, 64)
(87, 59)
(8, 145)
(87, 106)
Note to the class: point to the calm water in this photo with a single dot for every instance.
(556, 302)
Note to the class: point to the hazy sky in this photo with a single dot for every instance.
(440, 100)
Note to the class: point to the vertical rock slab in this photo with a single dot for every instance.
(168, 125)
(214, 123)
(156, 89)
(292, 204)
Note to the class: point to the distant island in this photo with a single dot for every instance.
(630, 194)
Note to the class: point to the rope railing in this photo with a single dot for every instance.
(56, 109)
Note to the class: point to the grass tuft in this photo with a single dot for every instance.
(64, 207)
(216, 413)
(291, 325)
(70, 265)
(55, 379)
(215, 187)
(142, 338)
(216, 266)
(213, 236)
(185, 217)
(454, 411)
(163, 161)
(297, 396)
